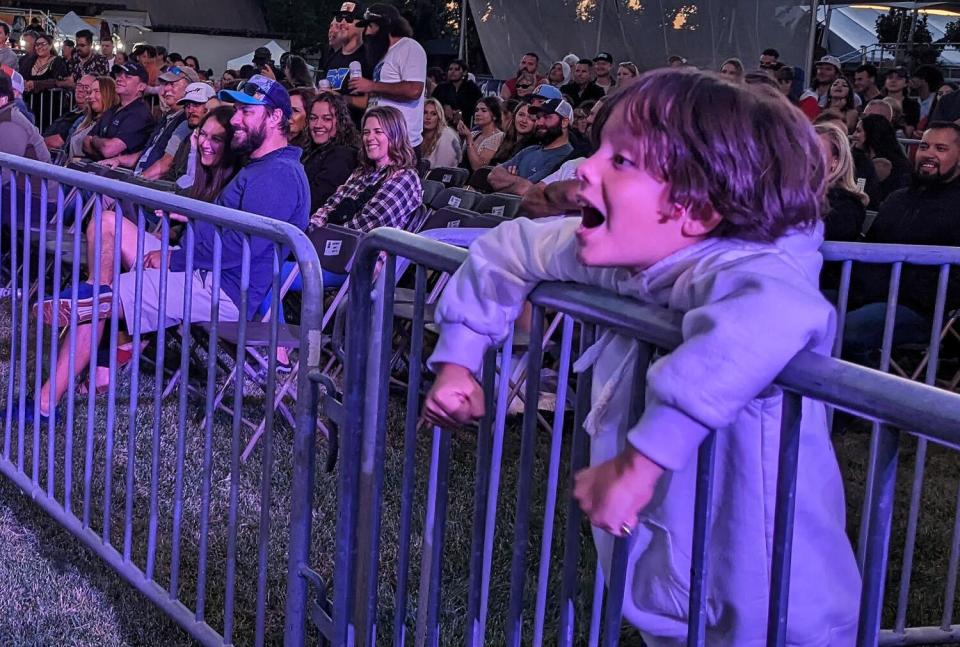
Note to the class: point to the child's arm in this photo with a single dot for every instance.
(485, 297)
(753, 319)
(487, 293)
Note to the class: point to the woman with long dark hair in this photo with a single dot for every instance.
(875, 137)
(518, 136)
(331, 156)
(216, 164)
(483, 141)
(43, 70)
(300, 100)
(296, 73)
(841, 100)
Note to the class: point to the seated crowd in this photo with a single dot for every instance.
(266, 139)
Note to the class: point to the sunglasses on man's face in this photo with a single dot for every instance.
(345, 17)
(524, 86)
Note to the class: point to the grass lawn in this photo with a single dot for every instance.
(56, 592)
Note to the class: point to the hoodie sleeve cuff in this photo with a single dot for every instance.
(459, 345)
(667, 436)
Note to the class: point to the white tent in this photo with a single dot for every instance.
(71, 23)
(275, 51)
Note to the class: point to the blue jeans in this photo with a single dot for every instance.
(330, 280)
(863, 334)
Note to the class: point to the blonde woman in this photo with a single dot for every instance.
(847, 201)
(101, 96)
(441, 145)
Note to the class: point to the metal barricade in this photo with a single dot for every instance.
(927, 354)
(48, 106)
(434, 507)
(160, 496)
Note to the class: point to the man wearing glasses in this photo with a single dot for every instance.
(346, 47)
(59, 132)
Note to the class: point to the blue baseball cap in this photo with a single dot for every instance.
(260, 91)
(547, 92)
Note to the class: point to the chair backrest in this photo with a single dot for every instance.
(453, 197)
(498, 204)
(479, 179)
(431, 190)
(335, 246)
(868, 222)
(474, 220)
(447, 218)
(423, 167)
(449, 176)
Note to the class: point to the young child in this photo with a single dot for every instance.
(704, 198)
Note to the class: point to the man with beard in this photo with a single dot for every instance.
(529, 64)
(400, 69)
(272, 184)
(536, 162)
(925, 213)
(346, 46)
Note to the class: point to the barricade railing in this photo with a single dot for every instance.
(933, 362)
(455, 528)
(159, 495)
(48, 105)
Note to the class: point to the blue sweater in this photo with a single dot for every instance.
(274, 186)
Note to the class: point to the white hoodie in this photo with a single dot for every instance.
(748, 309)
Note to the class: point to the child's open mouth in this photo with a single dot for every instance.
(591, 217)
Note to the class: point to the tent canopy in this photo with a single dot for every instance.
(71, 23)
(275, 51)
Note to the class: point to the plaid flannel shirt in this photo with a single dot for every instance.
(391, 206)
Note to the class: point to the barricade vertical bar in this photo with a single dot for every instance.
(496, 457)
(134, 388)
(38, 361)
(71, 363)
(54, 351)
(158, 400)
(842, 301)
(916, 490)
(357, 360)
(878, 540)
(266, 489)
(553, 476)
(182, 414)
(409, 456)
(886, 349)
(434, 529)
(112, 389)
(702, 520)
(12, 213)
(211, 389)
(617, 577)
(374, 437)
(481, 486)
(579, 454)
(304, 444)
(792, 409)
(951, 588)
(228, 607)
(596, 606)
(24, 324)
(521, 528)
(94, 268)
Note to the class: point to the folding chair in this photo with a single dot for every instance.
(948, 333)
(499, 204)
(454, 197)
(479, 180)
(431, 190)
(449, 176)
(423, 167)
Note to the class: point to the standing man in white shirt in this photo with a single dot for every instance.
(399, 77)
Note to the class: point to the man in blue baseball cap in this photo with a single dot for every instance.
(272, 184)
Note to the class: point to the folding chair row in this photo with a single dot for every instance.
(449, 176)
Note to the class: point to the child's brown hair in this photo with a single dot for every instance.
(743, 151)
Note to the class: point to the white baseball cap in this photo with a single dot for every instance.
(197, 93)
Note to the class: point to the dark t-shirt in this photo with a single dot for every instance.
(535, 162)
(591, 92)
(131, 124)
(464, 98)
(159, 138)
(337, 66)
